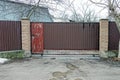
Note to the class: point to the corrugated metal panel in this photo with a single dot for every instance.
(71, 36)
(10, 35)
(114, 36)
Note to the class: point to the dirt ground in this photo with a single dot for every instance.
(60, 68)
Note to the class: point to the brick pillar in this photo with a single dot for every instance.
(103, 39)
(25, 28)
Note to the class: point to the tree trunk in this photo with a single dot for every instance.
(117, 20)
(119, 50)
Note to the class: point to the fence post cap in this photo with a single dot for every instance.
(25, 18)
(104, 19)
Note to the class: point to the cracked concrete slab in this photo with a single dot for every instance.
(60, 68)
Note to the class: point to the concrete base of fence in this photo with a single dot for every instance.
(27, 54)
(103, 54)
(70, 52)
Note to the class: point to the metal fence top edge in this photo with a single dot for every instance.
(8, 21)
(70, 22)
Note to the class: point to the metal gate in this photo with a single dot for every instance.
(71, 36)
(37, 37)
(64, 36)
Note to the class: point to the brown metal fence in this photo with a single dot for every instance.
(71, 36)
(114, 36)
(60, 36)
(10, 35)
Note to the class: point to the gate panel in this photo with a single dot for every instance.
(37, 37)
(71, 36)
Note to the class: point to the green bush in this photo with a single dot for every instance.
(19, 54)
(112, 54)
(116, 52)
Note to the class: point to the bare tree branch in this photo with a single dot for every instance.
(32, 10)
(85, 14)
(114, 9)
(98, 3)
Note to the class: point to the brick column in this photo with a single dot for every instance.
(25, 28)
(103, 39)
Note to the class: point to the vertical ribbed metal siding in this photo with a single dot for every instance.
(10, 35)
(114, 36)
(75, 36)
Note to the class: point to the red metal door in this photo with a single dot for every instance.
(37, 37)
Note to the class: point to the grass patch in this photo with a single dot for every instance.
(19, 54)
